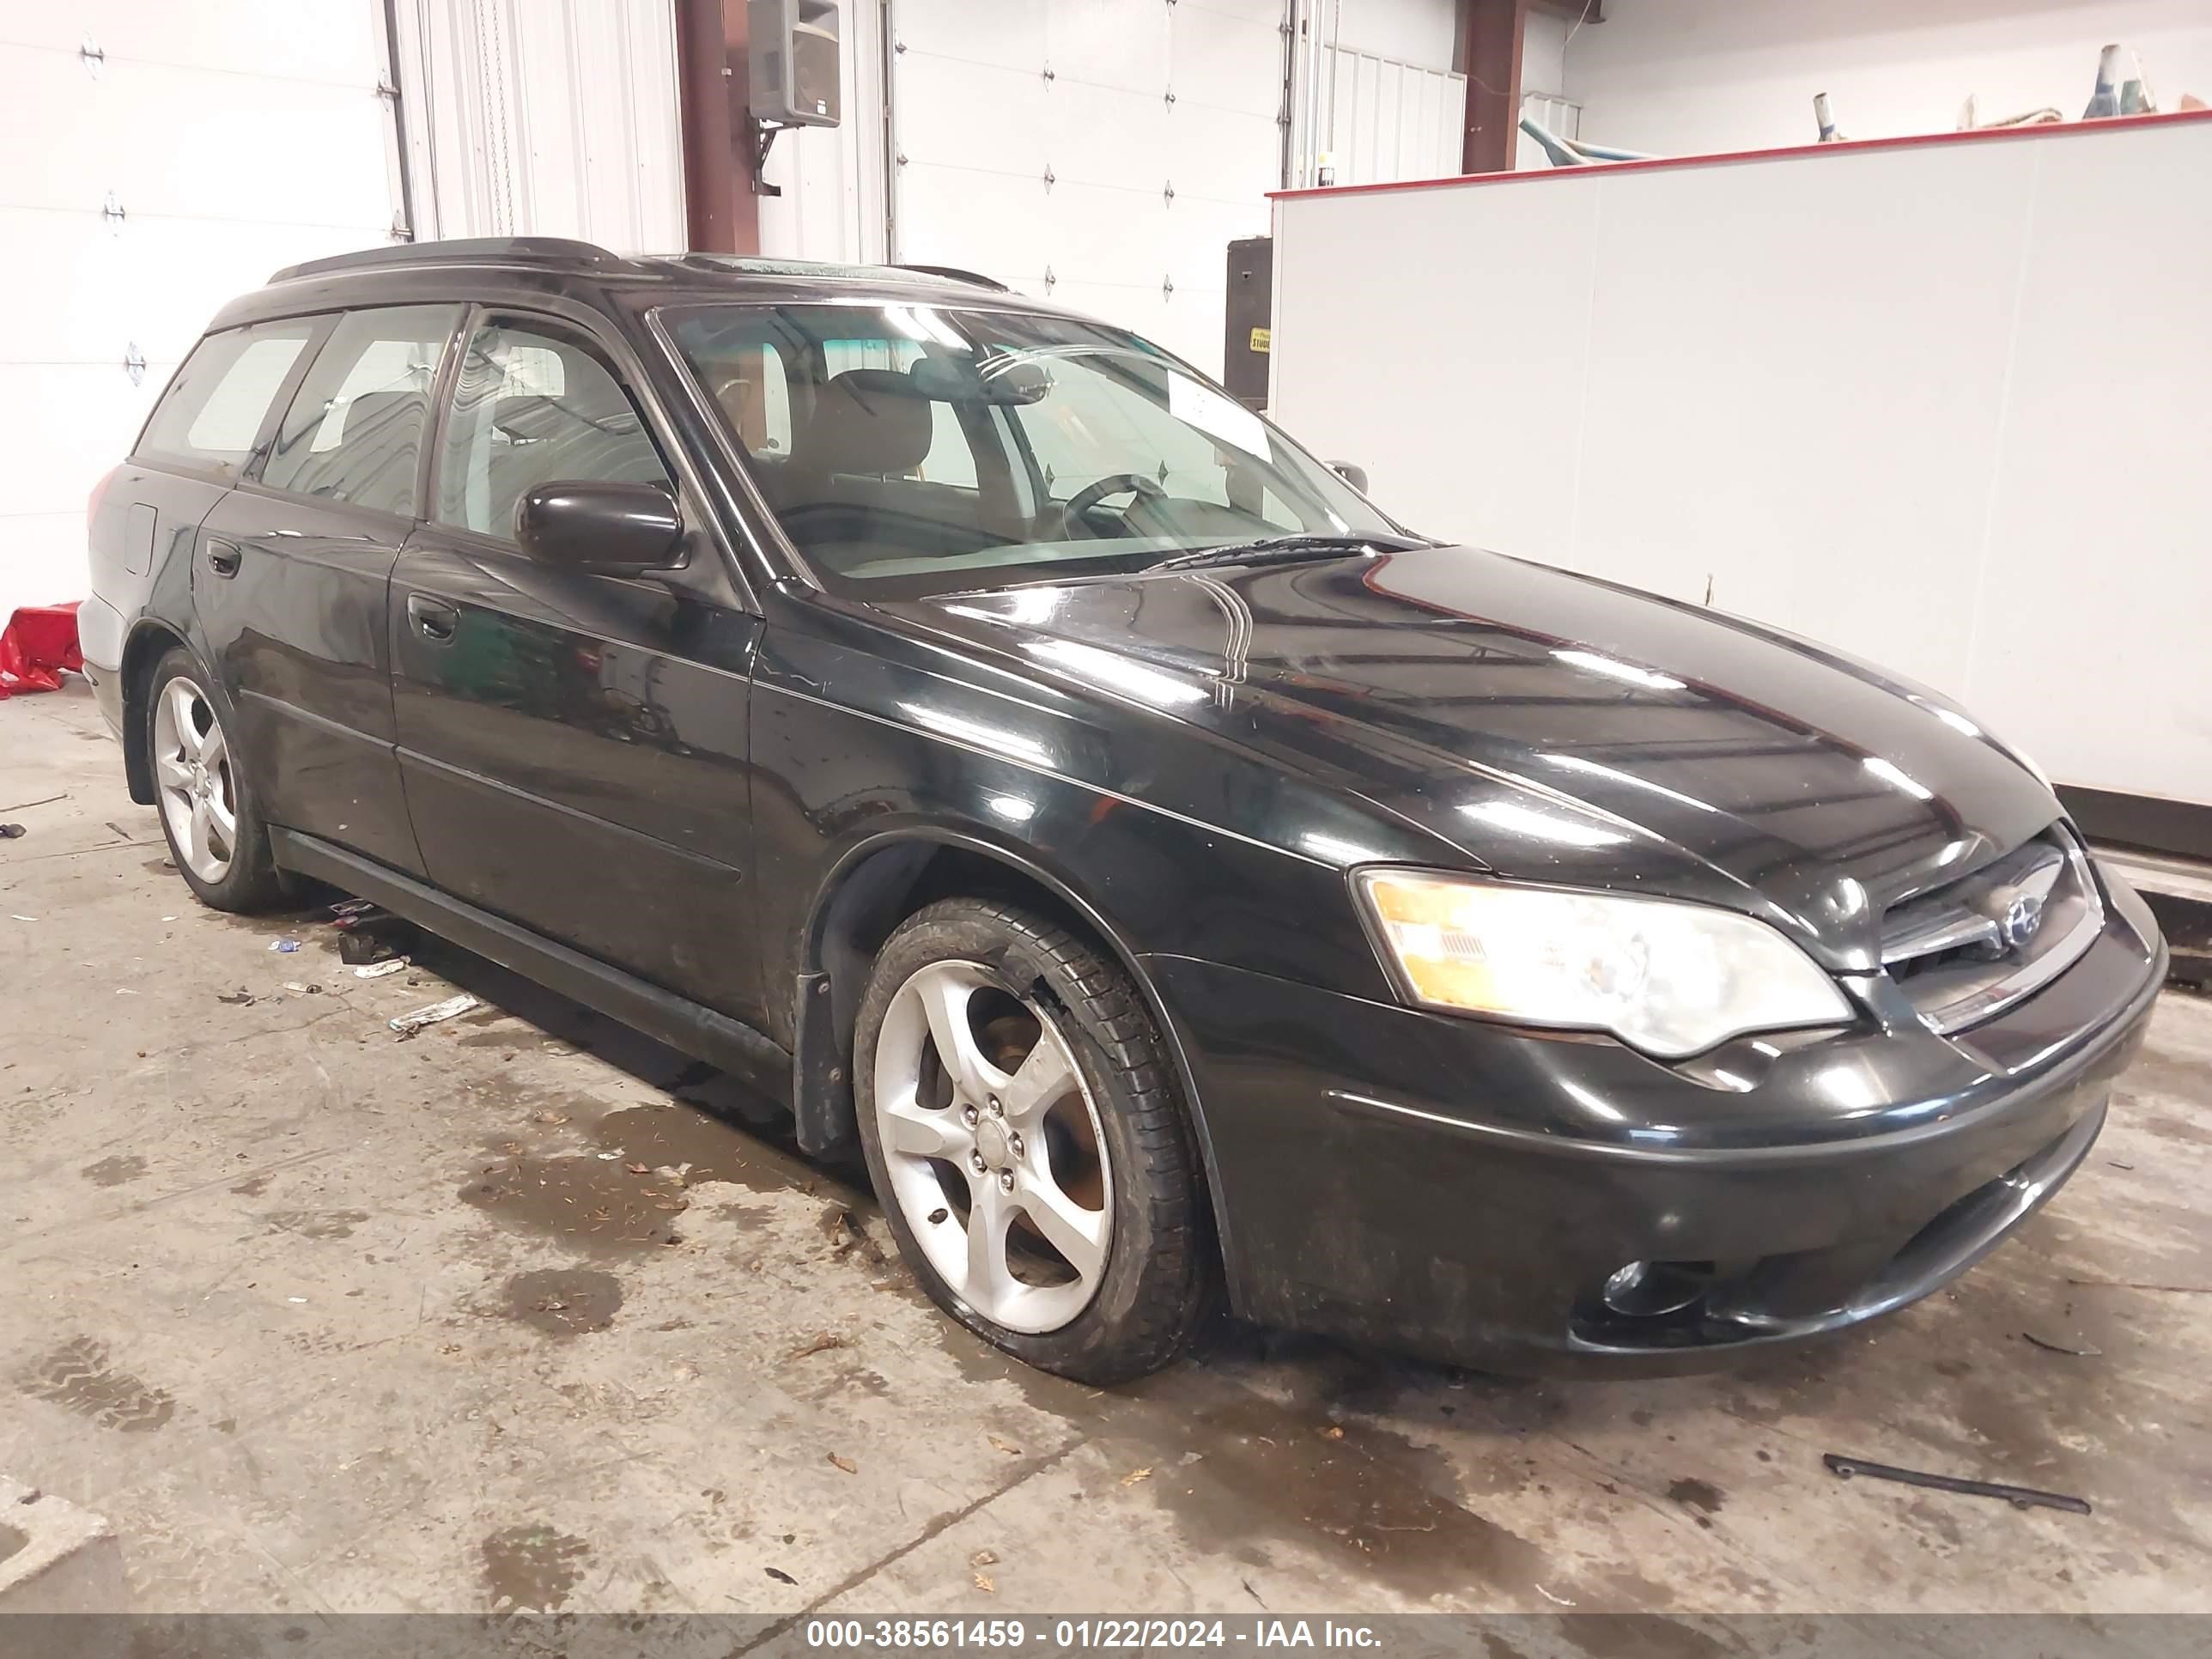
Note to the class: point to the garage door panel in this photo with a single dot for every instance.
(1008, 34)
(1230, 62)
(178, 141)
(1119, 245)
(1096, 233)
(963, 114)
(42, 557)
(1135, 308)
(1190, 324)
(1196, 248)
(982, 221)
(1226, 155)
(1109, 43)
(64, 425)
(47, 110)
(1100, 136)
(319, 158)
(333, 42)
(1269, 14)
(77, 287)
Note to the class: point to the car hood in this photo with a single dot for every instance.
(1556, 727)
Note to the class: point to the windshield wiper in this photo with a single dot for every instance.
(1282, 550)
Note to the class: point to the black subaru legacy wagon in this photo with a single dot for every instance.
(962, 720)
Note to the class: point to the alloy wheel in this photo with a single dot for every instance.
(193, 772)
(997, 1160)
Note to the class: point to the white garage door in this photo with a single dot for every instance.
(160, 159)
(1101, 153)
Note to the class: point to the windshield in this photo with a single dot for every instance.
(910, 450)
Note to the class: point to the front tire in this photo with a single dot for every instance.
(215, 831)
(1021, 1125)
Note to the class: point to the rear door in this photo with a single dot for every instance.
(294, 573)
(574, 746)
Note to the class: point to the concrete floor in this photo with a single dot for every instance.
(322, 1320)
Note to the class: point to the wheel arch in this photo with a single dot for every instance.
(149, 641)
(876, 883)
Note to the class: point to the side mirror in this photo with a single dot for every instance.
(614, 529)
(1353, 473)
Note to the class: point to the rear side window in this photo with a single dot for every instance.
(530, 409)
(354, 431)
(213, 410)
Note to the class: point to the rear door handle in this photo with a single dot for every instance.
(433, 619)
(223, 557)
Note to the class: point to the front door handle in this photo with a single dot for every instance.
(223, 557)
(433, 619)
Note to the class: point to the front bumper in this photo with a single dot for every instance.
(1465, 1191)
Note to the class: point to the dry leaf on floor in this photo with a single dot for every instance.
(1333, 1432)
(845, 1463)
(827, 1340)
(1005, 1446)
(638, 1169)
(984, 1559)
(983, 1583)
(1135, 1475)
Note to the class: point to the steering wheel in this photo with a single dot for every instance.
(1114, 484)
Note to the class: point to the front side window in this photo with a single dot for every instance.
(354, 431)
(213, 410)
(531, 409)
(932, 449)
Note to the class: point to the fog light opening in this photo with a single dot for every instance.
(1647, 1290)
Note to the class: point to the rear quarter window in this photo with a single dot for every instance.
(212, 412)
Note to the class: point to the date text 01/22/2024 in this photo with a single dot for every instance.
(901, 1635)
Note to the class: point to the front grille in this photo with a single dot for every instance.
(1966, 952)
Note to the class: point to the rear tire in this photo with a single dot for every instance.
(209, 814)
(1051, 1132)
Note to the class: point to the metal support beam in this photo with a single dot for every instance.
(1487, 50)
(721, 207)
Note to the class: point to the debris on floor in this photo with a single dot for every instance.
(12, 831)
(368, 936)
(408, 1024)
(284, 946)
(821, 1344)
(241, 998)
(379, 969)
(2084, 1350)
(845, 1463)
(2020, 1498)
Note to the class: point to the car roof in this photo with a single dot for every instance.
(403, 271)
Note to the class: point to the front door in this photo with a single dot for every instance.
(574, 744)
(292, 573)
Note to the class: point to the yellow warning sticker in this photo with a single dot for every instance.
(1260, 338)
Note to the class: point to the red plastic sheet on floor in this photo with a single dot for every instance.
(40, 643)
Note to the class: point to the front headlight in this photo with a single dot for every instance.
(1669, 978)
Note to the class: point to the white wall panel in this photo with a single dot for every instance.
(551, 117)
(1386, 121)
(1146, 190)
(1418, 31)
(1911, 401)
(236, 137)
(2096, 558)
(834, 204)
